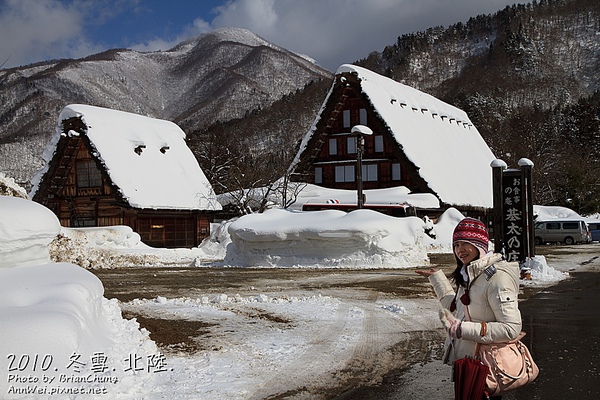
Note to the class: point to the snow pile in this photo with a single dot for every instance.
(73, 246)
(443, 228)
(107, 247)
(332, 238)
(541, 272)
(215, 247)
(59, 334)
(119, 246)
(24, 241)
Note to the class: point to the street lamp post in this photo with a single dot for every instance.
(360, 131)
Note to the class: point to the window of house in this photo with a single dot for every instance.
(378, 143)
(88, 175)
(351, 144)
(346, 115)
(318, 175)
(363, 116)
(332, 147)
(396, 175)
(344, 173)
(369, 172)
(86, 221)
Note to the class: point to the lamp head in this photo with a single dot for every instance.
(361, 130)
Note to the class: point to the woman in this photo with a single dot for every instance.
(484, 308)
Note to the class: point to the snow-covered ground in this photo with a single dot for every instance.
(61, 337)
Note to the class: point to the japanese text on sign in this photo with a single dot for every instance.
(513, 215)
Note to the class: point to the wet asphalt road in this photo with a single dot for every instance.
(562, 321)
(563, 333)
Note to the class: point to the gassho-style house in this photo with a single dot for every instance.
(106, 167)
(418, 142)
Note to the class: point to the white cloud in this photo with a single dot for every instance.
(331, 31)
(198, 27)
(339, 31)
(35, 30)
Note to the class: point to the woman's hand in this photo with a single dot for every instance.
(426, 272)
(451, 323)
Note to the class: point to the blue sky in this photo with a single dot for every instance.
(332, 32)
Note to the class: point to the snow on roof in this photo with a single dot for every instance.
(146, 158)
(438, 138)
(398, 195)
(548, 213)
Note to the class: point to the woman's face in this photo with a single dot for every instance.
(465, 252)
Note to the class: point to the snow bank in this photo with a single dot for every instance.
(395, 195)
(110, 236)
(119, 246)
(59, 334)
(57, 328)
(443, 228)
(360, 239)
(541, 272)
(26, 229)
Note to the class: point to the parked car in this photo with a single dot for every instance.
(595, 230)
(567, 231)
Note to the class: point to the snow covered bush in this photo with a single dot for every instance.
(77, 250)
(8, 187)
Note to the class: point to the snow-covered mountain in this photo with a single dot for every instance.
(528, 76)
(218, 76)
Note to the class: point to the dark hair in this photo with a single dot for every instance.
(456, 276)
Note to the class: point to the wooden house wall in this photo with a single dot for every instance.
(86, 206)
(172, 229)
(347, 95)
(332, 127)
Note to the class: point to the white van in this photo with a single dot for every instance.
(567, 231)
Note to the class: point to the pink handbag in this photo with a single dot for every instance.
(511, 365)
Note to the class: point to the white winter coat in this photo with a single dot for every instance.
(493, 300)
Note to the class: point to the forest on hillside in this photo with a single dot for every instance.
(528, 76)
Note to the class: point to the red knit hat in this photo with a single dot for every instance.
(473, 231)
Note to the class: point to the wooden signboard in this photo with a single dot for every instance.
(513, 211)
